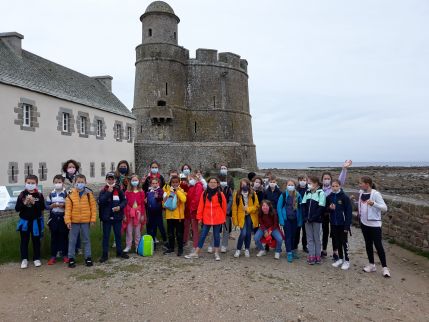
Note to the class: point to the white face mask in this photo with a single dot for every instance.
(223, 184)
(302, 184)
(58, 186)
(256, 185)
(310, 186)
(290, 188)
(273, 185)
(326, 182)
(30, 186)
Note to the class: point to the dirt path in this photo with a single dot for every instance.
(256, 289)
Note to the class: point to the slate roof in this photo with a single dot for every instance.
(40, 75)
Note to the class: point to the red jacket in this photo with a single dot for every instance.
(212, 213)
(268, 221)
(193, 199)
(135, 215)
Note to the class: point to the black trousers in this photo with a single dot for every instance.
(340, 241)
(325, 230)
(175, 229)
(59, 243)
(372, 236)
(25, 240)
(298, 236)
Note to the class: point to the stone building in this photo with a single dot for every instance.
(50, 113)
(193, 110)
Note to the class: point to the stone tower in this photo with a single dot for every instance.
(188, 110)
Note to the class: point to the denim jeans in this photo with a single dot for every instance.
(290, 231)
(83, 230)
(275, 234)
(107, 227)
(205, 231)
(245, 233)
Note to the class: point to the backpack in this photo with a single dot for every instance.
(237, 199)
(171, 202)
(146, 246)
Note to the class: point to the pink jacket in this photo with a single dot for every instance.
(135, 215)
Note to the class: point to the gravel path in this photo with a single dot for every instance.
(168, 288)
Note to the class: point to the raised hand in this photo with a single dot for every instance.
(347, 163)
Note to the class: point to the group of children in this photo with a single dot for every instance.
(192, 205)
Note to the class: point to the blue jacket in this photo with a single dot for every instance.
(282, 207)
(108, 200)
(342, 214)
(313, 206)
(272, 196)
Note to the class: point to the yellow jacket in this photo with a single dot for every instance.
(80, 210)
(179, 212)
(238, 212)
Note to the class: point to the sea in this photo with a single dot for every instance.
(309, 165)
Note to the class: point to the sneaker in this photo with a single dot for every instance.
(370, 268)
(237, 253)
(114, 244)
(324, 253)
(246, 253)
(217, 257)
(24, 263)
(318, 260)
(386, 272)
(72, 263)
(156, 241)
(290, 257)
(223, 249)
(210, 250)
(127, 249)
(335, 257)
(37, 263)
(260, 253)
(192, 255)
(103, 259)
(52, 261)
(310, 260)
(88, 262)
(276, 255)
(295, 255)
(345, 266)
(65, 260)
(124, 256)
(338, 263)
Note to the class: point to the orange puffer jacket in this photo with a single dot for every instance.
(80, 210)
(212, 212)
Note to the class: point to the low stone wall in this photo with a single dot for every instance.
(406, 222)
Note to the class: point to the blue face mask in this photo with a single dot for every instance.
(80, 186)
(123, 170)
(245, 188)
(290, 188)
(30, 186)
(134, 183)
(154, 170)
(186, 172)
(223, 172)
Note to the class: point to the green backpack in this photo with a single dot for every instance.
(146, 246)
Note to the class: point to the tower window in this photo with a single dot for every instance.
(150, 33)
(162, 103)
(195, 127)
(214, 101)
(166, 88)
(175, 35)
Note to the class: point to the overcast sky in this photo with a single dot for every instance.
(329, 80)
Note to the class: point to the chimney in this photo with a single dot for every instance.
(13, 41)
(106, 80)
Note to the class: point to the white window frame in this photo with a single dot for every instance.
(83, 121)
(129, 133)
(99, 128)
(26, 115)
(66, 122)
(118, 131)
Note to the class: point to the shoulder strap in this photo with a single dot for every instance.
(219, 197)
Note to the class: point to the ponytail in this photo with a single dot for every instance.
(368, 180)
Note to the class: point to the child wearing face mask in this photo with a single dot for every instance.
(327, 189)
(200, 178)
(135, 213)
(340, 209)
(192, 199)
(155, 220)
(211, 213)
(258, 187)
(186, 170)
(55, 202)
(313, 207)
(80, 213)
(122, 174)
(70, 171)
(245, 210)
(289, 212)
(301, 189)
(30, 205)
(370, 207)
(272, 193)
(154, 173)
(223, 172)
(175, 217)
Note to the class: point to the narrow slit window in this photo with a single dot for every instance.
(82, 125)
(118, 131)
(99, 128)
(166, 88)
(27, 115)
(129, 133)
(214, 101)
(195, 127)
(150, 33)
(66, 122)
